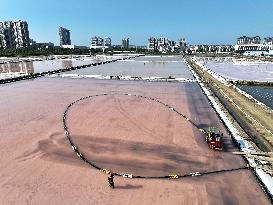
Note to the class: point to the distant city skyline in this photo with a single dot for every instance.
(199, 21)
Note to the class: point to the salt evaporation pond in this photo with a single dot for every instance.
(262, 93)
(160, 58)
(238, 69)
(141, 67)
(126, 134)
(8, 70)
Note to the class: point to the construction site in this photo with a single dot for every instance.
(157, 130)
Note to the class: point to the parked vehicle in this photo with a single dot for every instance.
(214, 138)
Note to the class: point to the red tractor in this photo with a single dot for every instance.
(214, 138)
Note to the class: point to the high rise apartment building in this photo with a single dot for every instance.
(125, 43)
(64, 36)
(14, 34)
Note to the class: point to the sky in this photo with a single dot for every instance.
(199, 21)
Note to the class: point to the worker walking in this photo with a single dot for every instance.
(111, 180)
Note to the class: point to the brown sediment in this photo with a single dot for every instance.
(121, 133)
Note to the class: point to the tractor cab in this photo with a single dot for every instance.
(214, 138)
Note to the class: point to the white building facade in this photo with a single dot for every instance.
(252, 46)
(98, 42)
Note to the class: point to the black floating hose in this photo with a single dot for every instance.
(171, 176)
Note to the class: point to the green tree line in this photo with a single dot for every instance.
(24, 52)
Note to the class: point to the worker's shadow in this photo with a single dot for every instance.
(128, 186)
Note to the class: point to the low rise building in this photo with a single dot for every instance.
(34, 44)
(98, 42)
(248, 40)
(268, 41)
(45, 45)
(253, 46)
(74, 47)
(212, 49)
